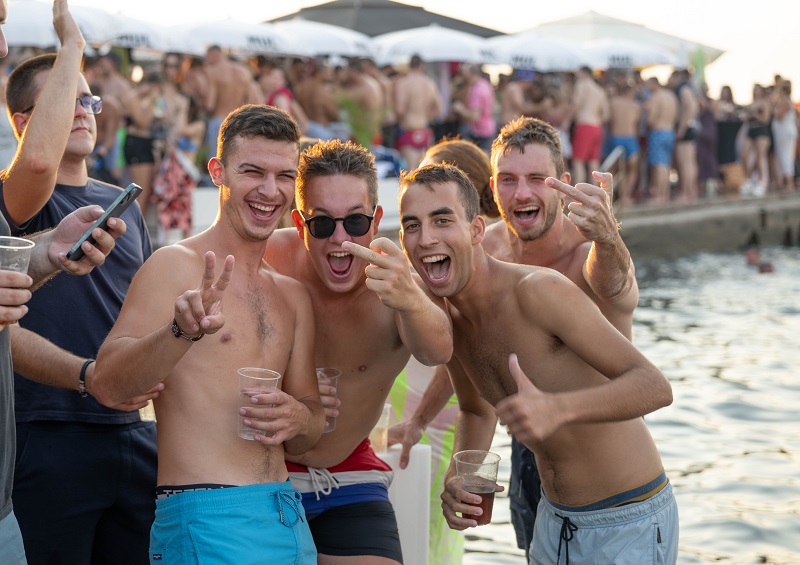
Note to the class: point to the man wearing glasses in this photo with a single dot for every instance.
(370, 314)
(85, 473)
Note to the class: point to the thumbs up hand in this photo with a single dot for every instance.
(530, 415)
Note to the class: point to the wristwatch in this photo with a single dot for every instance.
(177, 332)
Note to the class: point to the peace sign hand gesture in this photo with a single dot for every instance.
(591, 209)
(199, 311)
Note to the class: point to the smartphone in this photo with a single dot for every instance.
(116, 209)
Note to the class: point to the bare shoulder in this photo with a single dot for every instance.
(284, 247)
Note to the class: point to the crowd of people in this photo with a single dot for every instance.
(509, 298)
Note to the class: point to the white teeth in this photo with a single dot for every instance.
(262, 207)
(434, 258)
(338, 254)
(528, 209)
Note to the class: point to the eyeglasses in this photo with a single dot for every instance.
(322, 227)
(92, 104)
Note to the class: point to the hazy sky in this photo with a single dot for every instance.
(760, 38)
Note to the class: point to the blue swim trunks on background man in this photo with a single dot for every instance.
(660, 144)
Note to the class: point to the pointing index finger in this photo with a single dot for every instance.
(364, 253)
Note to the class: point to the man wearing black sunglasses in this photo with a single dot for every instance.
(371, 314)
(99, 506)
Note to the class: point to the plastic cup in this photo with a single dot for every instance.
(15, 254)
(254, 381)
(148, 413)
(478, 471)
(379, 436)
(329, 377)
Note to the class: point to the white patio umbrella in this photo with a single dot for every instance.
(33, 24)
(233, 35)
(432, 43)
(615, 53)
(324, 39)
(529, 50)
(140, 34)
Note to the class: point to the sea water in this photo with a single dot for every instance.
(728, 339)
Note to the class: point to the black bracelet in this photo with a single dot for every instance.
(82, 378)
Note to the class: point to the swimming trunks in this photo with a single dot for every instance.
(758, 130)
(246, 525)
(660, 144)
(636, 533)
(353, 493)
(415, 138)
(628, 142)
(138, 150)
(587, 140)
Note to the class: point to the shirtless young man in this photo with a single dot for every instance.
(590, 113)
(662, 116)
(530, 184)
(370, 315)
(229, 86)
(417, 103)
(316, 95)
(210, 479)
(363, 97)
(531, 349)
(623, 129)
(685, 144)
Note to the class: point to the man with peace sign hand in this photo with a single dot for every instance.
(371, 315)
(192, 320)
(530, 348)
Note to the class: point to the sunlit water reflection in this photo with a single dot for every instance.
(727, 338)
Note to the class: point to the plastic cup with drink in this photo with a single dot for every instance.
(478, 471)
(252, 382)
(379, 436)
(15, 254)
(328, 378)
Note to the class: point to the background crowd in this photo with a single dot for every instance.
(160, 119)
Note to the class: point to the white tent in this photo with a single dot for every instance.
(593, 26)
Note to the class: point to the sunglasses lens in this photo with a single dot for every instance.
(321, 226)
(357, 224)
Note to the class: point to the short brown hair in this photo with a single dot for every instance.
(254, 120)
(474, 162)
(442, 173)
(333, 157)
(20, 88)
(523, 131)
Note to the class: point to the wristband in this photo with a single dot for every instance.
(178, 332)
(82, 378)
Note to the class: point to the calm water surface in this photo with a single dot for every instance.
(728, 339)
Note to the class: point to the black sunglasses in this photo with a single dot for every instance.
(322, 227)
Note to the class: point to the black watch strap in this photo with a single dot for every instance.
(177, 332)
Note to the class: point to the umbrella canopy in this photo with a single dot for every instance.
(377, 17)
(592, 26)
(613, 53)
(33, 24)
(530, 50)
(140, 34)
(432, 43)
(326, 39)
(233, 35)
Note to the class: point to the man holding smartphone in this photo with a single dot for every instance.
(92, 468)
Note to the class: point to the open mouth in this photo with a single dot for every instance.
(340, 263)
(526, 214)
(262, 211)
(437, 267)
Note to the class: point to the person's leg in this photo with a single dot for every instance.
(65, 479)
(123, 533)
(762, 160)
(686, 163)
(12, 550)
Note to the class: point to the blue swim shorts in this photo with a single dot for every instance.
(628, 142)
(640, 533)
(248, 525)
(660, 144)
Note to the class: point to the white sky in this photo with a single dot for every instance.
(760, 38)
